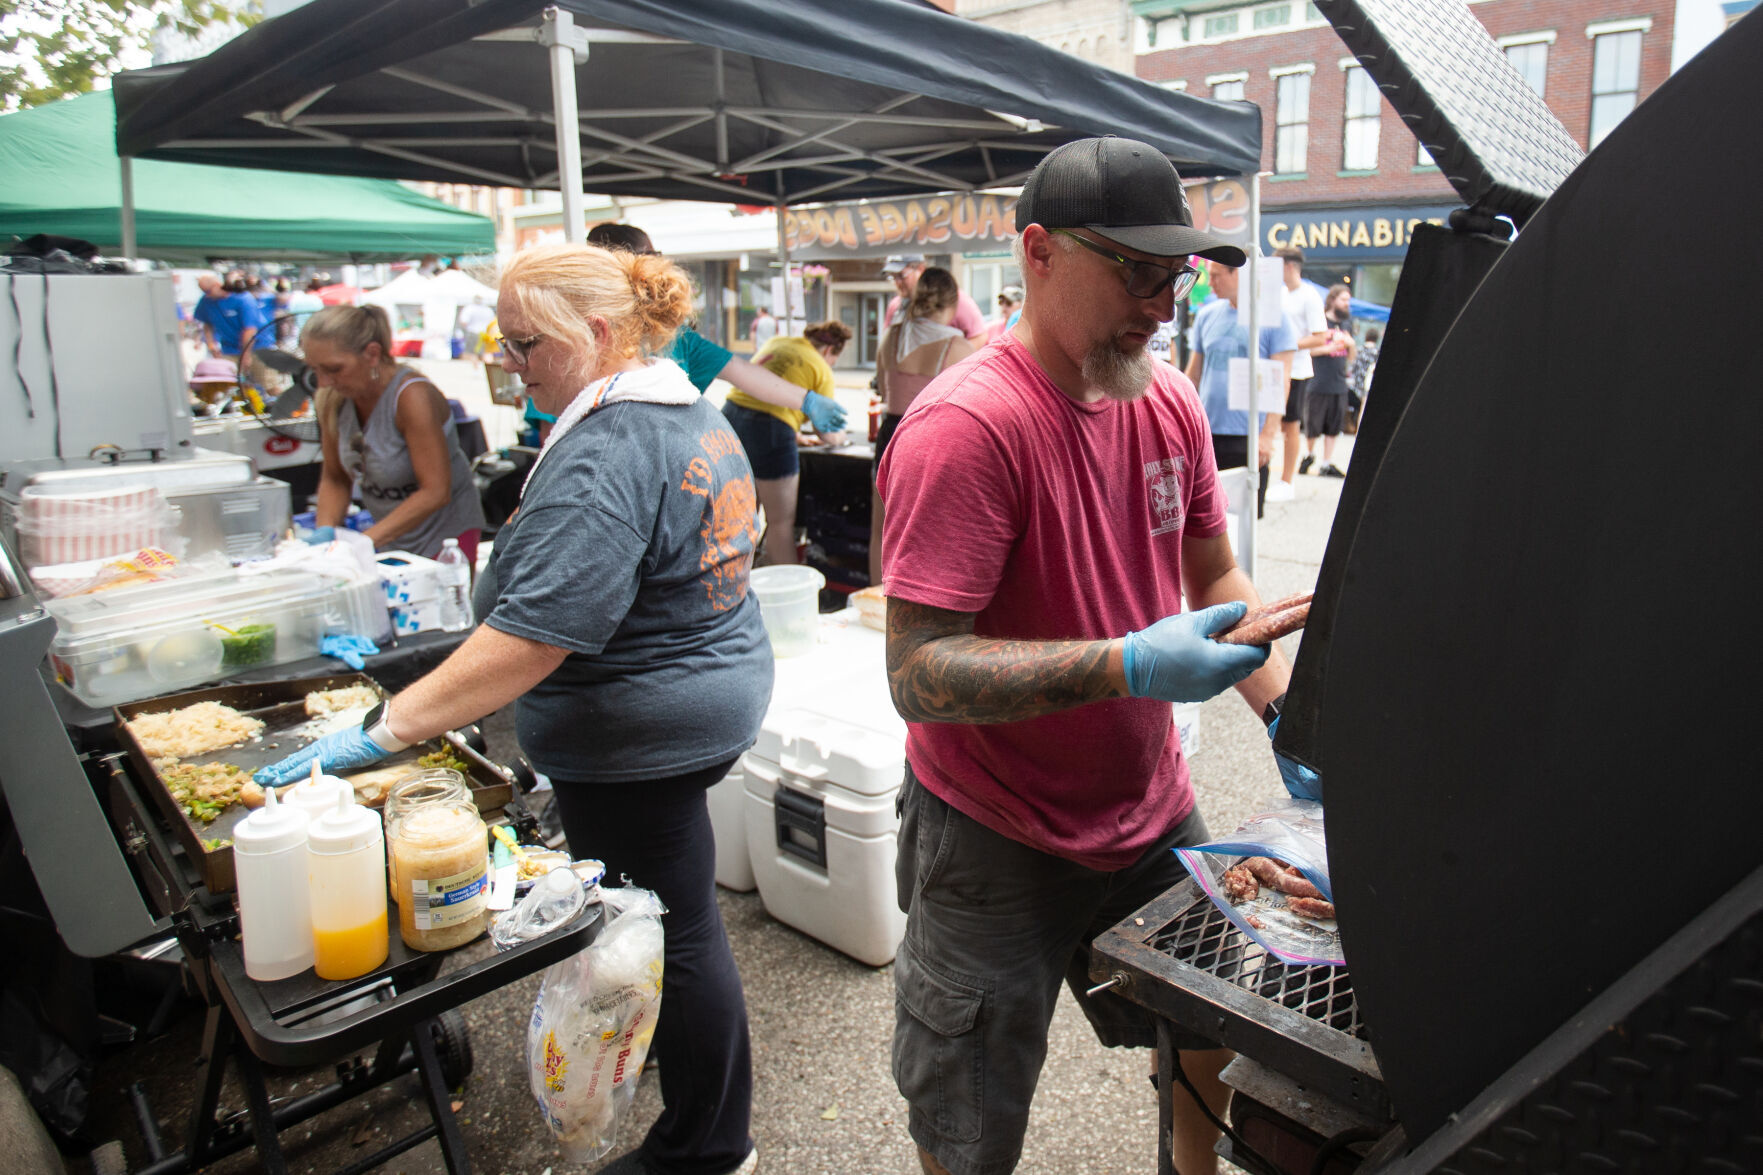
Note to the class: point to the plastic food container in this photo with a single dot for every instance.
(789, 599)
(137, 642)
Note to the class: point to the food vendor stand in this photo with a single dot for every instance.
(764, 102)
(116, 864)
(1546, 872)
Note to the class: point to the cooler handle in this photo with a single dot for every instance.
(801, 825)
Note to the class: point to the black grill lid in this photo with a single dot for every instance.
(1493, 137)
(1536, 722)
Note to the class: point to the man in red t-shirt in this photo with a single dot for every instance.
(1050, 501)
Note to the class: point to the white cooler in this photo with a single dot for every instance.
(846, 676)
(728, 822)
(821, 829)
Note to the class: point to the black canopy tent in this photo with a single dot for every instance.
(748, 101)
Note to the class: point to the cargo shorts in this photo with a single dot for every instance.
(992, 926)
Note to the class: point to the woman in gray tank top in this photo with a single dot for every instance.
(388, 433)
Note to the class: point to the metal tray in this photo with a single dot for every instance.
(280, 706)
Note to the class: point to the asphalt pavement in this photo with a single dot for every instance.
(824, 1100)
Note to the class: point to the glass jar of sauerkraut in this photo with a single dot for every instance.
(442, 863)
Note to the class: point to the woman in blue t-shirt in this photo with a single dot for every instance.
(624, 626)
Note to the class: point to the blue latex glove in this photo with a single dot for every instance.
(341, 750)
(348, 649)
(1176, 661)
(823, 412)
(320, 535)
(1300, 780)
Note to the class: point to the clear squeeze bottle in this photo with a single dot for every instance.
(348, 886)
(316, 794)
(270, 863)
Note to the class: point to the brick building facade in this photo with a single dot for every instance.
(1347, 175)
(1095, 30)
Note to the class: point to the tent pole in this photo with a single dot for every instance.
(567, 47)
(127, 166)
(1246, 528)
(783, 254)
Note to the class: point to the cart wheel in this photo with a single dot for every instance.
(109, 1159)
(452, 1046)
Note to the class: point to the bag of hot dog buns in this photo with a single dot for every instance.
(1270, 878)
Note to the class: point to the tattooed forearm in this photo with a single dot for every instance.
(939, 671)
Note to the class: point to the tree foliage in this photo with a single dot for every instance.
(52, 49)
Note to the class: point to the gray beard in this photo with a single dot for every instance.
(1118, 375)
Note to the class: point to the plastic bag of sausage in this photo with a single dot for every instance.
(1270, 878)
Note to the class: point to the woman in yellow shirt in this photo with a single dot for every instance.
(768, 431)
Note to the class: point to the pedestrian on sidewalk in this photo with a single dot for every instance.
(1303, 312)
(1325, 407)
(1220, 335)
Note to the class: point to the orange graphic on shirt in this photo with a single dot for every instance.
(731, 516)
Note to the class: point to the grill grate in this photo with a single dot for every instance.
(1203, 938)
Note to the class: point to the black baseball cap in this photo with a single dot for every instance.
(1121, 189)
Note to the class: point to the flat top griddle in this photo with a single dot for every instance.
(280, 705)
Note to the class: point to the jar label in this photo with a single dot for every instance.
(439, 902)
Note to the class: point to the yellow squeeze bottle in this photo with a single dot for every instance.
(347, 883)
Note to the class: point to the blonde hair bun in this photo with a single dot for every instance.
(560, 289)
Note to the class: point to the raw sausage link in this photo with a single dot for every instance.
(1262, 611)
(1267, 629)
(1313, 908)
(1279, 605)
(1240, 885)
(1273, 877)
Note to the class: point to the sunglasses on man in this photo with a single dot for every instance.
(1144, 279)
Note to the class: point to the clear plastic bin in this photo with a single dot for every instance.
(132, 643)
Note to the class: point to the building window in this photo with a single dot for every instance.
(1273, 16)
(1616, 80)
(1423, 157)
(1291, 140)
(1363, 112)
(1222, 25)
(1531, 61)
(1228, 91)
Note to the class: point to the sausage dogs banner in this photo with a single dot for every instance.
(966, 222)
(951, 222)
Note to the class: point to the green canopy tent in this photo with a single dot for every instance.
(59, 173)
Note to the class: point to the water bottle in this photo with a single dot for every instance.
(455, 576)
(270, 864)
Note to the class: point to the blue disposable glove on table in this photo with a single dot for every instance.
(1300, 780)
(320, 535)
(341, 750)
(1175, 660)
(823, 412)
(348, 649)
